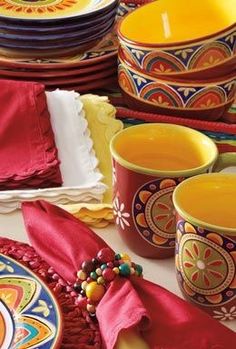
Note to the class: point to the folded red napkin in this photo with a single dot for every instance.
(164, 320)
(27, 149)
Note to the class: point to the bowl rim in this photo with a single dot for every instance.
(196, 221)
(148, 171)
(175, 81)
(171, 45)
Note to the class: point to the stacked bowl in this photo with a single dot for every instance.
(179, 58)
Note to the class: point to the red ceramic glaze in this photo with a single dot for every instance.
(207, 114)
(144, 211)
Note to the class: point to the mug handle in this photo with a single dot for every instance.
(224, 160)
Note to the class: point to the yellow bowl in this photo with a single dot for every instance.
(169, 37)
(168, 22)
(193, 99)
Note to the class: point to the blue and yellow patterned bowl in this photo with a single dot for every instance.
(184, 39)
(192, 99)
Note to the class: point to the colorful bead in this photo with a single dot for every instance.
(124, 269)
(84, 285)
(108, 274)
(132, 271)
(82, 293)
(91, 308)
(99, 271)
(87, 266)
(105, 255)
(77, 287)
(93, 275)
(139, 269)
(100, 280)
(95, 261)
(94, 291)
(125, 257)
(116, 270)
(81, 275)
(96, 273)
(103, 266)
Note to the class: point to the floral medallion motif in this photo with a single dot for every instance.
(121, 217)
(153, 212)
(29, 315)
(206, 268)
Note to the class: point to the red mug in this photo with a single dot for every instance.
(149, 160)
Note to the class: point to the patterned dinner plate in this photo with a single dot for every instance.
(104, 50)
(48, 10)
(29, 313)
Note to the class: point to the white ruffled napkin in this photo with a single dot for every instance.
(82, 179)
(79, 165)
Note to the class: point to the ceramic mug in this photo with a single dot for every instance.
(149, 160)
(206, 242)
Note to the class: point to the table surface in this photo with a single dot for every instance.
(158, 271)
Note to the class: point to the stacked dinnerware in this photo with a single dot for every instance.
(61, 43)
(179, 58)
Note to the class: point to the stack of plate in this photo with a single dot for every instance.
(62, 43)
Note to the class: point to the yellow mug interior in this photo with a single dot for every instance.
(163, 149)
(169, 21)
(208, 201)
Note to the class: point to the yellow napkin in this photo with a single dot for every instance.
(95, 215)
(100, 115)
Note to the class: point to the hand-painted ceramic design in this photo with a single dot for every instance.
(143, 211)
(206, 269)
(190, 58)
(103, 51)
(64, 38)
(32, 29)
(153, 212)
(78, 45)
(178, 97)
(29, 314)
(6, 326)
(50, 9)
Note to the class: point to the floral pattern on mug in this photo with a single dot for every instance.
(225, 314)
(119, 213)
(206, 269)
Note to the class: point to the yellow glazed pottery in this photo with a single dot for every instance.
(149, 160)
(200, 99)
(165, 22)
(184, 37)
(206, 241)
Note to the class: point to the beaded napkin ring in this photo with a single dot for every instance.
(95, 275)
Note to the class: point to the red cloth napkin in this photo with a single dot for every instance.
(165, 320)
(28, 154)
